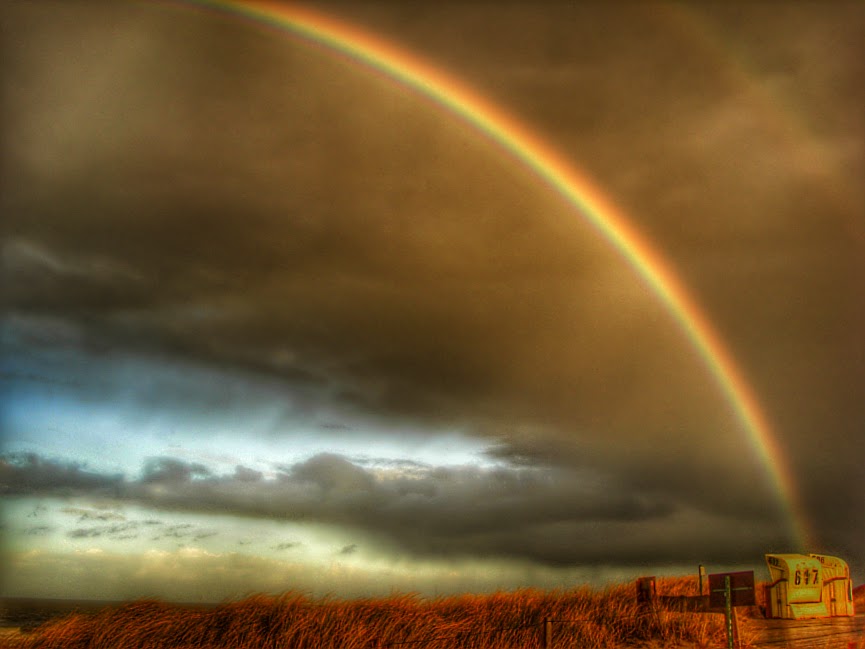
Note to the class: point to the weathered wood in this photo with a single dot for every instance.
(548, 633)
(827, 633)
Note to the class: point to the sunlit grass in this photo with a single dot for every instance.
(582, 617)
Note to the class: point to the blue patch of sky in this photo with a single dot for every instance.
(116, 437)
(112, 414)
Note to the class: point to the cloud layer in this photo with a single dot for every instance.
(550, 517)
(278, 230)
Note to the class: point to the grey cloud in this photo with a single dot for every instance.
(332, 473)
(335, 426)
(116, 532)
(39, 509)
(348, 549)
(85, 514)
(30, 474)
(170, 470)
(38, 530)
(245, 474)
(183, 531)
(84, 533)
(546, 515)
(180, 531)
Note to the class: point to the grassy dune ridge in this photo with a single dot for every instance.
(582, 617)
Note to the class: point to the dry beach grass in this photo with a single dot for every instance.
(581, 617)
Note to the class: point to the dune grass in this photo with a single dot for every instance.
(583, 617)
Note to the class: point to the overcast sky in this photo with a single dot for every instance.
(272, 320)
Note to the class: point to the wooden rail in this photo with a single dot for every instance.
(825, 633)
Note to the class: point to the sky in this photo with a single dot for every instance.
(272, 319)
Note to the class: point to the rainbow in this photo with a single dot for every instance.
(520, 142)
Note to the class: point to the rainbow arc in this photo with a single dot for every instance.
(450, 94)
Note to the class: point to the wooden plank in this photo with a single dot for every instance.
(804, 634)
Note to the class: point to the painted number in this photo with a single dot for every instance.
(809, 576)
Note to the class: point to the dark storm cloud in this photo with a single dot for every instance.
(550, 516)
(384, 301)
(30, 474)
(184, 192)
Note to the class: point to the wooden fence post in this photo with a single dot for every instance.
(548, 633)
(728, 610)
